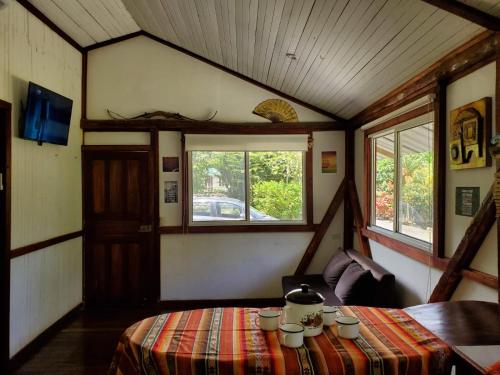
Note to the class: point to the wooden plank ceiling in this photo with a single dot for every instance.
(339, 55)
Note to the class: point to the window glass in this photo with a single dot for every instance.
(276, 191)
(415, 181)
(271, 182)
(384, 181)
(218, 178)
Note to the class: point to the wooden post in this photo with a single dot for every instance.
(497, 131)
(349, 175)
(358, 219)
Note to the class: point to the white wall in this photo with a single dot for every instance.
(46, 181)
(244, 265)
(416, 280)
(160, 78)
(209, 266)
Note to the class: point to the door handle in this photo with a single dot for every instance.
(145, 228)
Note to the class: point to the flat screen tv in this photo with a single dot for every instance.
(47, 116)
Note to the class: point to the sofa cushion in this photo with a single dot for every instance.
(355, 286)
(335, 268)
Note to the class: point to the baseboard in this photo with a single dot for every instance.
(205, 303)
(38, 342)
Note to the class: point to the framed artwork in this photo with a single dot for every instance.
(170, 164)
(466, 201)
(171, 192)
(470, 131)
(329, 162)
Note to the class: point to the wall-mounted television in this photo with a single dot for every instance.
(47, 116)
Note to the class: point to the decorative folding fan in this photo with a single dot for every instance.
(276, 110)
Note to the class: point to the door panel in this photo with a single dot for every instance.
(119, 253)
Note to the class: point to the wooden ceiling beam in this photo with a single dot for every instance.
(467, 12)
(213, 127)
(466, 250)
(472, 55)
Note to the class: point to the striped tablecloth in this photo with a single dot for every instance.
(227, 341)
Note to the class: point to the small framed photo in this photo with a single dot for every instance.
(171, 192)
(329, 162)
(170, 164)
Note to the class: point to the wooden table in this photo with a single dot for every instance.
(471, 328)
(228, 341)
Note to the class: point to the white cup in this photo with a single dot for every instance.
(291, 335)
(347, 327)
(329, 315)
(268, 320)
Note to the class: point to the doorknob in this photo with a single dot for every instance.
(145, 228)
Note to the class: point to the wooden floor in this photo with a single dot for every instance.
(86, 345)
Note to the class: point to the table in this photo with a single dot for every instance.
(227, 341)
(471, 328)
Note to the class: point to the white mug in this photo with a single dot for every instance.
(268, 320)
(347, 327)
(329, 315)
(291, 335)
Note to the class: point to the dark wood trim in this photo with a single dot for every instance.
(480, 277)
(309, 183)
(84, 84)
(243, 77)
(367, 191)
(472, 55)
(422, 110)
(184, 187)
(468, 12)
(212, 127)
(358, 218)
(51, 25)
(154, 158)
(497, 131)
(439, 171)
(466, 250)
(93, 148)
(257, 228)
(20, 251)
(322, 228)
(38, 342)
(410, 251)
(349, 174)
(5, 232)
(113, 41)
(206, 303)
(426, 258)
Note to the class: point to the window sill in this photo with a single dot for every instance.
(414, 242)
(239, 228)
(404, 248)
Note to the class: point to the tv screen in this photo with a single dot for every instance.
(47, 116)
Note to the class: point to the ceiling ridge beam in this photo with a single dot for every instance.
(468, 13)
(51, 25)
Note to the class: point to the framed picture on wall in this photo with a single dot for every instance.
(171, 192)
(170, 164)
(329, 162)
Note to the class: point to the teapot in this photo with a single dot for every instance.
(305, 306)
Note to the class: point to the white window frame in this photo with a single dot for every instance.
(247, 220)
(395, 234)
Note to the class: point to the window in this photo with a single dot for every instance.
(402, 181)
(247, 187)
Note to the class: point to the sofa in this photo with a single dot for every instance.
(349, 278)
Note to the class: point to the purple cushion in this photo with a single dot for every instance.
(355, 286)
(335, 267)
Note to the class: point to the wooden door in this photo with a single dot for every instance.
(121, 267)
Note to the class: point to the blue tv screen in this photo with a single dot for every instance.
(47, 116)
